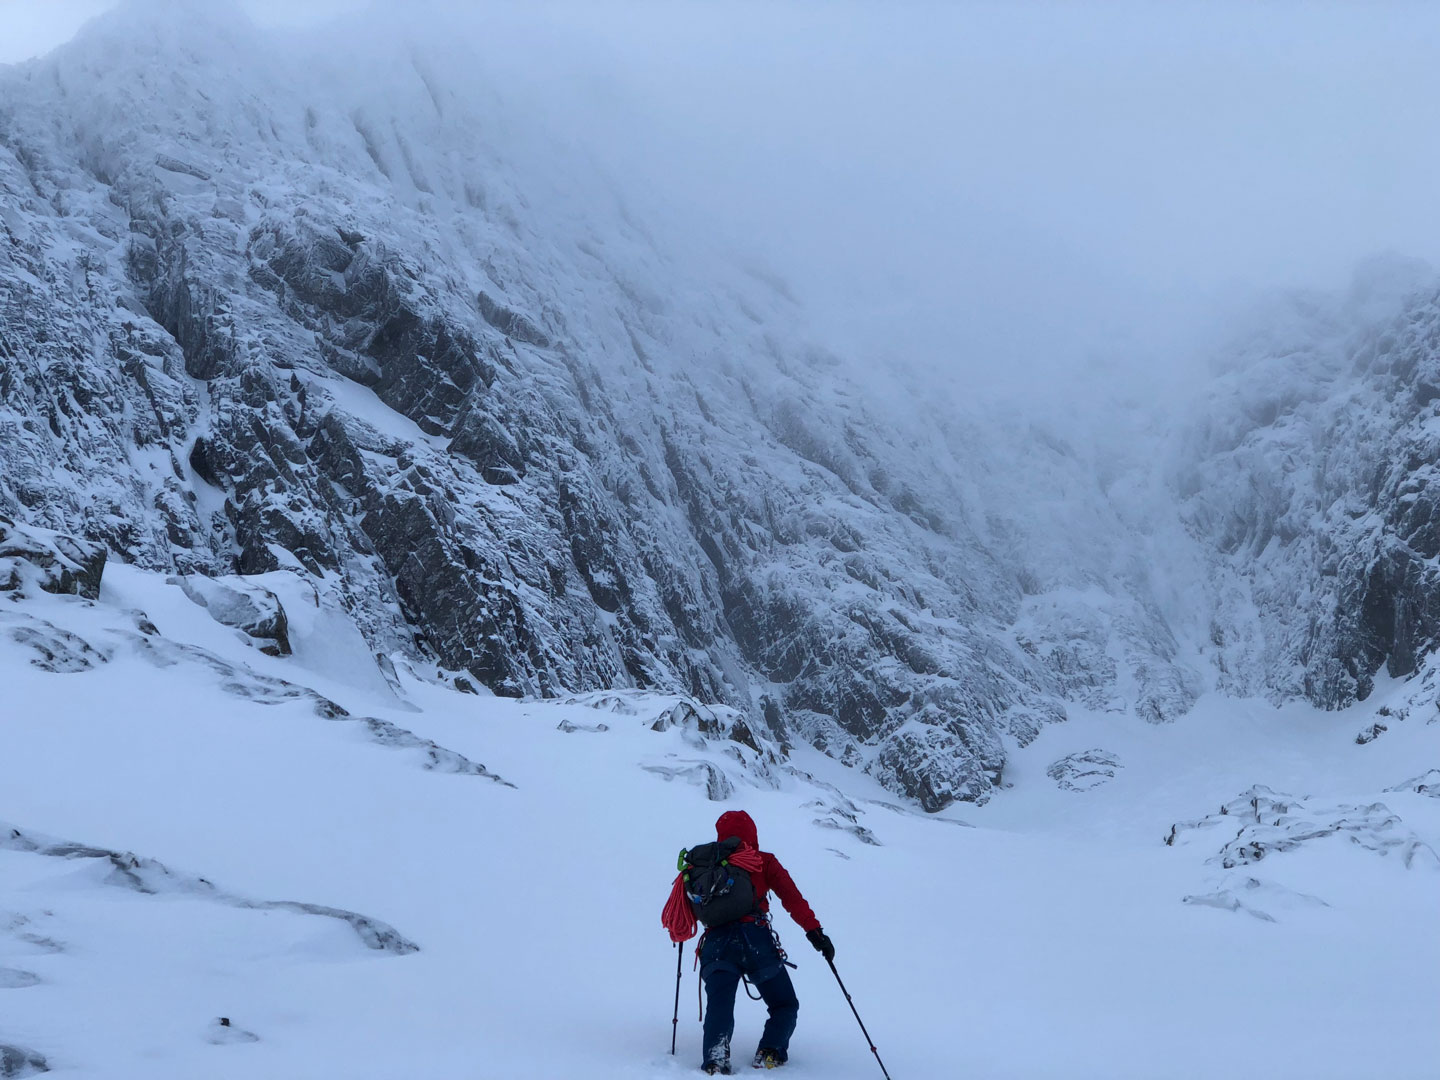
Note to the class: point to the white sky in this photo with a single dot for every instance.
(1006, 179)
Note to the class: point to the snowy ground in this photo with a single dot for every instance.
(1049, 938)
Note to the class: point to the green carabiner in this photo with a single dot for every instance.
(680, 862)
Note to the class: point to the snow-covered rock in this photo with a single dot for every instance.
(15, 1061)
(1084, 770)
(149, 877)
(44, 559)
(267, 316)
(250, 608)
(1262, 822)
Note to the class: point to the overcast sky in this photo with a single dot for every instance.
(989, 179)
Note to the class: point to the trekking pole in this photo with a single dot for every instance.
(675, 1023)
(857, 1018)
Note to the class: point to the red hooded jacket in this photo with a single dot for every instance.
(773, 876)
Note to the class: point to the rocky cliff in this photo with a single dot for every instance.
(325, 307)
(1308, 477)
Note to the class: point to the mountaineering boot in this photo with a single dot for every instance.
(717, 1058)
(765, 1058)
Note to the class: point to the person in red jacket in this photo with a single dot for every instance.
(750, 948)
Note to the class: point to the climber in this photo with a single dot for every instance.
(746, 946)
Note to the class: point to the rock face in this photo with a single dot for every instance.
(1311, 478)
(277, 319)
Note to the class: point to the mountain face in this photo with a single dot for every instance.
(1308, 478)
(325, 308)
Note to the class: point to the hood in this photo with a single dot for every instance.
(736, 823)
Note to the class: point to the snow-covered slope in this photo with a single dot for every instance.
(330, 305)
(218, 862)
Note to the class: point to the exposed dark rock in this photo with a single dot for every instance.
(1370, 734)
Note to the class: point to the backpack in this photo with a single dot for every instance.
(719, 893)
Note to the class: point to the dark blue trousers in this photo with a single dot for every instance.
(737, 949)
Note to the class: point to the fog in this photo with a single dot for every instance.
(998, 192)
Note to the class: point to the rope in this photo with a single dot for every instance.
(678, 916)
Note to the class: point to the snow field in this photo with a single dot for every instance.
(1049, 939)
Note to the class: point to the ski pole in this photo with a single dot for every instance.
(857, 1018)
(675, 1023)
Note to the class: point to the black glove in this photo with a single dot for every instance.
(823, 945)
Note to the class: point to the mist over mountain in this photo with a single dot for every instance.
(994, 449)
(319, 302)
